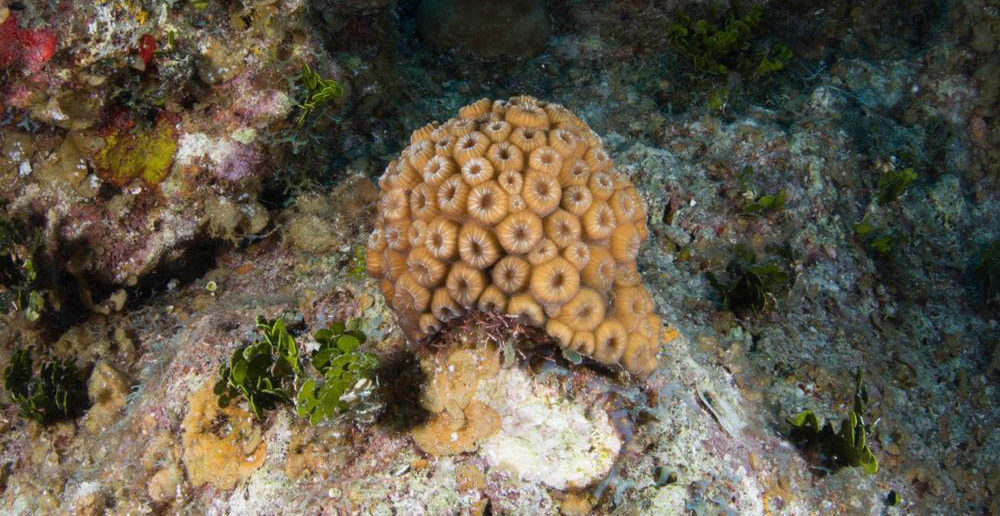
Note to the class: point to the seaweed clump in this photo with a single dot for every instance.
(726, 43)
(346, 375)
(58, 393)
(319, 91)
(263, 372)
(893, 184)
(986, 272)
(880, 241)
(359, 267)
(759, 205)
(19, 286)
(837, 449)
(270, 372)
(752, 284)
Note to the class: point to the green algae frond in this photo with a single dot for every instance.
(358, 270)
(893, 184)
(875, 239)
(58, 392)
(263, 372)
(752, 284)
(986, 272)
(319, 91)
(19, 285)
(334, 380)
(765, 204)
(147, 154)
(837, 449)
(727, 43)
(346, 375)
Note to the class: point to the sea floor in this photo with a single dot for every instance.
(172, 196)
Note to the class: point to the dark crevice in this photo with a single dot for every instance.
(402, 382)
(196, 260)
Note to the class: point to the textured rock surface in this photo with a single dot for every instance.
(505, 28)
(544, 437)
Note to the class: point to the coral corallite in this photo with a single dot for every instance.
(514, 206)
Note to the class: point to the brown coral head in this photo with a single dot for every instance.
(477, 246)
(451, 196)
(427, 270)
(410, 296)
(475, 110)
(514, 207)
(423, 202)
(477, 170)
(576, 199)
(546, 160)
(441, 238)
(505, 156)
(599, 221)
(541, 192)
(470, 145)
(465, 284)
(527, 116)
(610, 341)
(584, 311)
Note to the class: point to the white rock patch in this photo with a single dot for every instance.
(545, 437)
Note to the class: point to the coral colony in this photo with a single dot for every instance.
(515, 207)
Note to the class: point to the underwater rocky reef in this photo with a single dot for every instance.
(510, 257)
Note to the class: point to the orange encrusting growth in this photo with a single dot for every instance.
(515, 208)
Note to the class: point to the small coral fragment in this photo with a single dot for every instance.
(458, 423)
(450, 435)
(221, 446)
(165, 483)
(107, 390)
(28, 48)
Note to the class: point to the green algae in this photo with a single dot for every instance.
(263, 372)
(877, 240)
(271, 372)
(58, 392)
(359, 268)
(319, 91)
(765, 204)
(344, 368)
(986, 272)
(893, 184)
(753, 284)
(19, 285)
(846, 447)
(727, 42)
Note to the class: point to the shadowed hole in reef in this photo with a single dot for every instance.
(189, 265)
(4, 475)
(275, 193)
(193, 263)
(72, 289)
(401, 382)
